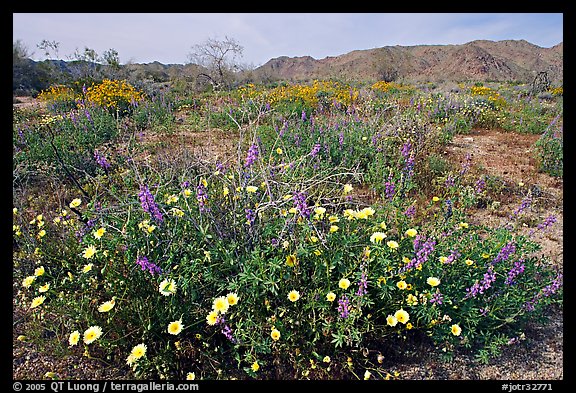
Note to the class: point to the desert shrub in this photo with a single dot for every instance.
(549, 150)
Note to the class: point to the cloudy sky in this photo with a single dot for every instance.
(169, 37)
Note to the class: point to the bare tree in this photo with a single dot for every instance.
(219, 57)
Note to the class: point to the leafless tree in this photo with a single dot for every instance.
(219, 58)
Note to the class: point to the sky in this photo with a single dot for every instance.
(170, 37)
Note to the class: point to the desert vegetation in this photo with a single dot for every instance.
(283, 230)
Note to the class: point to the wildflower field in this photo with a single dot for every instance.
(282, 231)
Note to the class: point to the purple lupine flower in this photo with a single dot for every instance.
(410, 212)
(148, 204)
(275, 242)
(315, 150)
(517, 269)
(526, 202)
(303, 115)
(363, 283)
(300, 201)
(449, 181)
(547, 291)
(504, 253)
(252, 155)
(341, 138)
(437, 298)
(185, 184)
(202, 198)
(480, 287)
(82, 231)
(88, 116)
(344, 306)
(453, 256)
(551, 219)
(145, 264)
(466, 164)
(390, 187)
(101, 160)
(405, 151)
(424, 251)
(226, 330)
(480, 184)
(250, 216)
(448, 212)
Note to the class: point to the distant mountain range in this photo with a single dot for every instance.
(510, 60)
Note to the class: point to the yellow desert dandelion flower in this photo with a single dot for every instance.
(456, 330)
(87, 268)
(275, 334)
(348, 188)
(167, 287)
(99, 233)
(89, 252)
(392, 244)
(212, 318)
(225, 191)
(251, 189)
(187, 192)
(44, 288)
(412, 300)
(175, 327)
(232, 298)
(28, 281)
(333, 219)
(435, 199)
(330, 296)
(401, 284)
(92, 334)
(107, 306)
(38, 300)
(42, 233)
(130, 360)
(138, 351)
(411, 232)
(75, 202)
(255, 366)
(74, 338)
(377, 237)
(294, 295)
(463, 225)
(469, 262)
(333, 228)
(443, 259)
(402, 316)
(320, 211)
(391, 320)
(433, 281)
(344, 283)
(291, 260)
(220, 304)
(172, 199)
(39, 271)
(278, 151)
(190, 376)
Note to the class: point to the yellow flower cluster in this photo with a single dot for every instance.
(310, 95)
(57, 93)
(113, 93)
(557, 91)
(386, 87)
(492, 95)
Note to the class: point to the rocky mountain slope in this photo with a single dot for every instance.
(509, 60)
